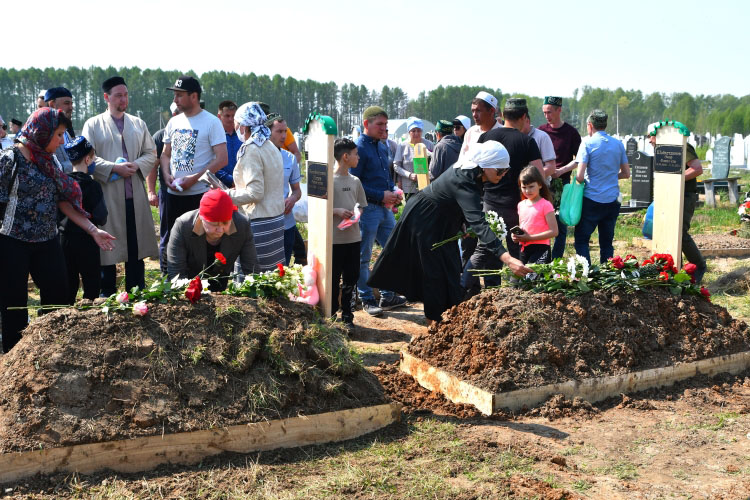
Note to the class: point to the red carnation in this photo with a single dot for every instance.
(194, 289)
(280, 266)
(647, 262)
(220, 257)
(617, 262)
(663, 276)
(690, 268)
(705, 293)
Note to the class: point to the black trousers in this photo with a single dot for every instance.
(46, 264)
(81, 258)
(345, 264)
(135, 270)
(536, 253)
(178, 205)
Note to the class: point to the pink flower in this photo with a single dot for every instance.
(122, 297)
(140, 309)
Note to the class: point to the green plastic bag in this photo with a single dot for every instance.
(571, 201)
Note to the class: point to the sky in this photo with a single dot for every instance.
(532, 47)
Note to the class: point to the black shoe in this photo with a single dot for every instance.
(371, 308)
(393, 302)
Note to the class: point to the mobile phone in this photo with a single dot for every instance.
(517, 231)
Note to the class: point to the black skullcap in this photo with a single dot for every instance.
(110, 83)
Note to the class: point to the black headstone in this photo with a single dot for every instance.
(642, 179)
(720, 163)
(317, 180)
(631, 148)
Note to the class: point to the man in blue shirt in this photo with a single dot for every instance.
(226, 113)
(376, 221)
(601, 163)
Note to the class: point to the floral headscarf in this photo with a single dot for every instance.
(251, 115)
(36, 134)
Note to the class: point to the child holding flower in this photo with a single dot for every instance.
(536, 217)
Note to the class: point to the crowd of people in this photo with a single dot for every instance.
(72, 207)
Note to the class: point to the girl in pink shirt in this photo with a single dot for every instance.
(536, 217)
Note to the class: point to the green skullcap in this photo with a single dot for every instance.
(515, 103)
(554, 101)
(598, 119)
(372, 112)
(273, 117)
(444, 127)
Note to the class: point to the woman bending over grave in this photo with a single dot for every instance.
(32, 188)
(408, 264)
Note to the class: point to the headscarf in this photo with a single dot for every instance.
(490, 154)
(36, 134)
(251, 115)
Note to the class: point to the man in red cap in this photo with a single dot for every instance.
(216, 227)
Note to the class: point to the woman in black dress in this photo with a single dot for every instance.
(409, 266)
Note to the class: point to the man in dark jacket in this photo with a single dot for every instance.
(198, 235)
(446, 150)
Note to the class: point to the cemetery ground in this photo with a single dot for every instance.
(691, 440)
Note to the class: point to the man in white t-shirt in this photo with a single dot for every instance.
(483, 110)
(194, 141)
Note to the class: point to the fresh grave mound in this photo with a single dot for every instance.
(82, 376)
(720, 241)
(507, 339)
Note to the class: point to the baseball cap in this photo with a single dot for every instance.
(186, 83)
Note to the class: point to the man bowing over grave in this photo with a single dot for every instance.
(116, 134)
(693, 169)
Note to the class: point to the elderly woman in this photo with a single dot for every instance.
(259, 184)
(408, 264)
(403, 161)
(216, 227)
(32, 189)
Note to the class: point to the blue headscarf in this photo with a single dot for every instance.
(251, 115)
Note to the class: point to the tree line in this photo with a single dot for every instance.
(630, 111)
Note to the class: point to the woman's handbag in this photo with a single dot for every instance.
(571, 201)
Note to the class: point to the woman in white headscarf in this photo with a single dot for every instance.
(408, 265)
(259, 185)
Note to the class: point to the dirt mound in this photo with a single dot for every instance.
(81, 376)
(720, 241)
(508, 339)
(733, 282)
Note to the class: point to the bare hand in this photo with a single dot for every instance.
(390, 198)
(103, 239)
(289, 205)
(515, 265)
(413, 177)
(520, 237)
(343, 213)
(153, 199)
(125, 170)
(189, 180)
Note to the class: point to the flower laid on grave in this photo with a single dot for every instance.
(744, 211)
(281, 282)
(575, 276)
(497, 224)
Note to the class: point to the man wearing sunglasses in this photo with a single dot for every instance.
(5, 141)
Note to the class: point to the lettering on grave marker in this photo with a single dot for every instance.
(668, 159)
(317, 180)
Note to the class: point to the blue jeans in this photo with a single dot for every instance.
(375, 224)
(597, 215)
(558, 248)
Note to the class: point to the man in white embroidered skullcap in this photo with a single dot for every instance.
(483, 109)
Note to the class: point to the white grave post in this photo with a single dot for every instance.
(321, 132)
(669, 188)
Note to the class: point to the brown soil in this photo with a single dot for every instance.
(82, 376)
(507, 339)
(720, 241)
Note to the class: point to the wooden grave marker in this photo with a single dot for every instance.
(669, 188)
(321, 132)
(420, 166)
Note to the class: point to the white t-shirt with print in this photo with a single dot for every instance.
(192, 139)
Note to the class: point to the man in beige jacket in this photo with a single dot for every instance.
(116, 134)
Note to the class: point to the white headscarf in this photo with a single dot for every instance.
(490, 154)
(252, 116)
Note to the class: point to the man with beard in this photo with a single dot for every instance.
(116, 134)
(61, 99)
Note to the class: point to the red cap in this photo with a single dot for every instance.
(216, 206)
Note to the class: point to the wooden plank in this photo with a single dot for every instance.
(146, 453)
(450, 386)
(592, 389)
(319, 146)
(669, 196)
